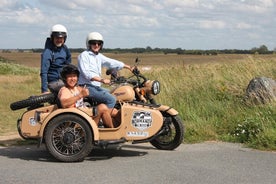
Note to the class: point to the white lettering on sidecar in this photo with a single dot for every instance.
(32, 121)
(137, 134)
(141, 120)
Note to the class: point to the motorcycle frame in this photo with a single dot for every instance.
(33, 123)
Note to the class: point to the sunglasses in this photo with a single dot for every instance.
(93, 42)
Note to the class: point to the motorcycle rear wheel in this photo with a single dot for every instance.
(172, 136)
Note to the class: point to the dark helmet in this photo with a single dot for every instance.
(69, 69)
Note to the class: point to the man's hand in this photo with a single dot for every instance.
(105, 81)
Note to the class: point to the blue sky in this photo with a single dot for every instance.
(186, 24)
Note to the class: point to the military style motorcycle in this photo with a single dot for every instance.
(71, 133)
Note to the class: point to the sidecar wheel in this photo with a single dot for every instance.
(68, 138)
(33, 101)
(172, 136)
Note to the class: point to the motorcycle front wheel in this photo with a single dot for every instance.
(68, 138)
(172, 134)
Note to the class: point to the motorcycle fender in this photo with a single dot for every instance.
(167, 109)
(28, 125)
(85, 113)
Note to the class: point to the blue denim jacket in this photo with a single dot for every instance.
(52, 61)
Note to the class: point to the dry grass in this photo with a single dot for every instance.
(4, 79)
(13, 90)
(33, 59)
(206, 90)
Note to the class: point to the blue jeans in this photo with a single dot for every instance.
(101, 95)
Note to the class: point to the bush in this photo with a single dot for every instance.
(15, 69)
(265, 141)
(247, 130)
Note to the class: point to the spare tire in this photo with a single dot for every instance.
(33, 101)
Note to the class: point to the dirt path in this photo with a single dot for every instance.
(7, 140)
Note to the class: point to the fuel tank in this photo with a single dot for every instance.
(124, 93)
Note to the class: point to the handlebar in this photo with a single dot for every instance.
(121, 79)
(135, 71)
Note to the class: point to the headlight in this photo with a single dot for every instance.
(155, 88)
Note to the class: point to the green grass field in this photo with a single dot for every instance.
(208, 92)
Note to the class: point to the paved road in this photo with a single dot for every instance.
(206, 163)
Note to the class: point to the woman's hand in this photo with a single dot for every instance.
(84, 92)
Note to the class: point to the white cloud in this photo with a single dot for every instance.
(132, 23)
(7, 5)
(212, 24)
(29, 16)
(253, 35)
(257, 6)
(79, 19)
(242, 25)
(268, 3)
(182, 3)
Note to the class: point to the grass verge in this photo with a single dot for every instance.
(209, 98)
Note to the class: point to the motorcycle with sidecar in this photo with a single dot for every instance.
(71, 133)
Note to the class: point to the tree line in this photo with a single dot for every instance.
(256, 50)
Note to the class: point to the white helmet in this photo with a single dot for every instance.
(58, 30)
(94, 36)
